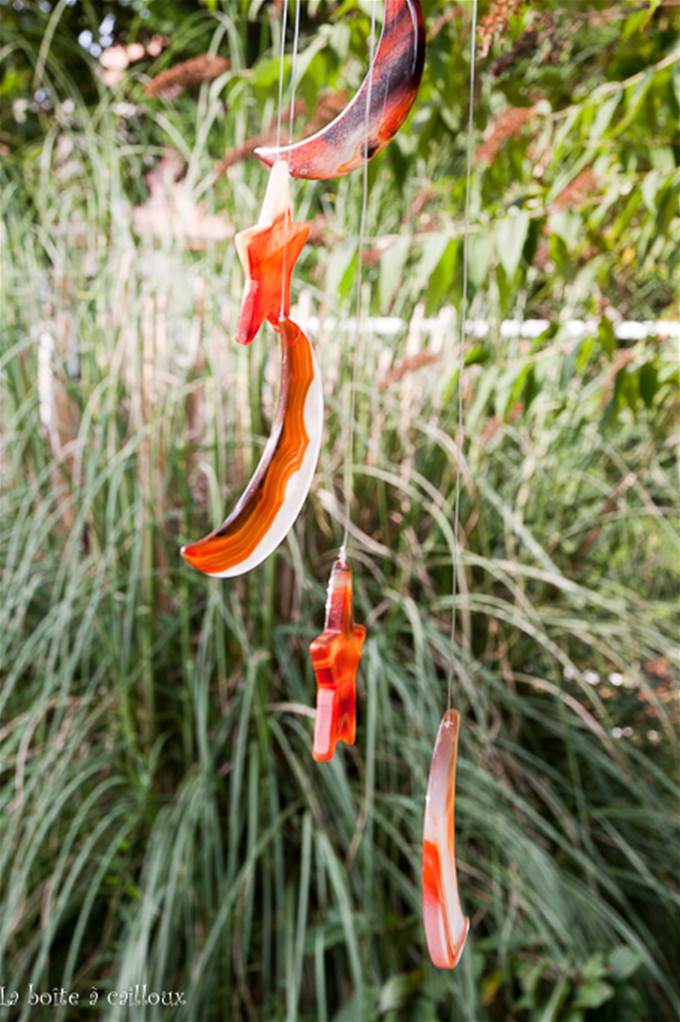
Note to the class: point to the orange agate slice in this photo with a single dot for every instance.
(377, 110)
(335, 658)
(273, 498)
(268, 252)
(446, 927)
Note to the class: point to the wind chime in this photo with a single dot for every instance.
(272, 500)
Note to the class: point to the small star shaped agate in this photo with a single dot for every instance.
(335, 658)
(268, 252)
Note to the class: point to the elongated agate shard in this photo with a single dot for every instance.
(389, 89)
(335, 657)
(446, 927)
(268, 252)
(274, 496)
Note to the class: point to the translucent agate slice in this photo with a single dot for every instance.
(446, 927)
(390, 88)
(335, 657)
(268, 252)
(274, 496)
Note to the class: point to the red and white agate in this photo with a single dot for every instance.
(446, 927)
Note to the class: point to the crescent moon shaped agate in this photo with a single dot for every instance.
(390, 86)
(446, 927)
(274, 496)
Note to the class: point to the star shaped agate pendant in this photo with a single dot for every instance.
(335, 658)
(268, 252)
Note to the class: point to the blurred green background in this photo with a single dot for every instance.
(162, 820)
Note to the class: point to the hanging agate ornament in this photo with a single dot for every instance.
(445, 925)
(335, 657)
(273, 498)
(268, 252)
(390, 88)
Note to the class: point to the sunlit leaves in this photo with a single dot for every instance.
(511, 233)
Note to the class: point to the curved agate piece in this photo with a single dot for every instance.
(335, 658)
(392, 81)
(268, 252)
(445, 925)
(274, 496)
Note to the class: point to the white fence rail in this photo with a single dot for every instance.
(478, 329)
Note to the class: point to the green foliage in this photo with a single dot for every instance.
(163, 821)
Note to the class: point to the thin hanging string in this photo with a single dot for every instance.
(461, 358)
(282, 53)
(293, 71)
(348, 480)
(291, 119)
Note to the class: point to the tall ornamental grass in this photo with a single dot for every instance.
(162, 820)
